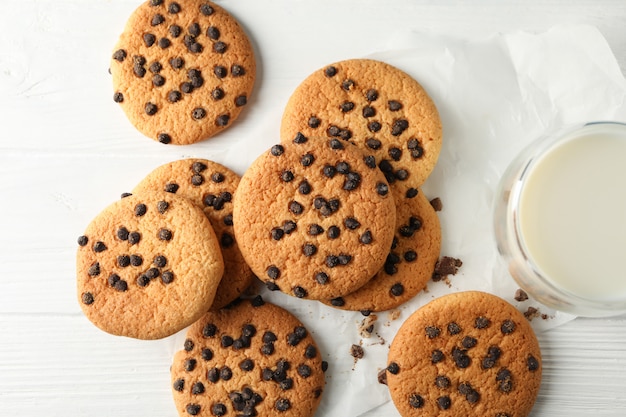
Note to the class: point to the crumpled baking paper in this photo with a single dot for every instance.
(494, 95)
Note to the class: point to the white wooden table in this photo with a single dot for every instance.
(66, 152)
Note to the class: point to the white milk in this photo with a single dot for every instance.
(572, 216)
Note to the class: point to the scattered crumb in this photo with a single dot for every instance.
(382, 376)
(357, 351)
(520, 295)
(544, 317)
(531, 313)
(394, 314)
(366, 328)
(436, 203)
(446, 266)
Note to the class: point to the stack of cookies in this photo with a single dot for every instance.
(334, 212)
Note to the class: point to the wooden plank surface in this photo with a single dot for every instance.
(61, 140)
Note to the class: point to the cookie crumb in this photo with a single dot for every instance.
(394, 314)
(531, 313)
(382, 376)
(520, 295)
(446, 266)
(366, 328)
(356, 352)
(436, 203)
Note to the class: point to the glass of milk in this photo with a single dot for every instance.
(560, 219)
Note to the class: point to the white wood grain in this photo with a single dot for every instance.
(63, 139)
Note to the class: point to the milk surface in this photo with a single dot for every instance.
(572, 215)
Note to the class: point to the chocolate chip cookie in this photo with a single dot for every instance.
(465, 354)
(182, 70)
(147, 266)
(376, 106)
(249, 359)
(314, 217)
(210, 186)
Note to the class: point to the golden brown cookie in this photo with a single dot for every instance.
(314, 218)
(410, 263)
(147, 266)
(250, 359)
(182, 70)
(376, 106)
(465, 354)
(211, 186)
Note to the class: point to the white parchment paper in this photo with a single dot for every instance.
(494, 95)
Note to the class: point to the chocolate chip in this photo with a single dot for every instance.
(411, 193)
(338, 302)
(227, 341)
(157, 19)
(394, 105)
(333, 232)
(532, 363)
(410, 256)
(113, 278)
(335, 144)
(241, 100)
(193, 409)
(346, 106)
(374, 126)
(175, 31)
(444, 402)
(213, 375)
(87, 298)
(237, 70)
(368, 111)
(304, 371)
(309, 249)
(399, 126)
(227, 240)
(119, 55)
(393, 368)
(482, 322)
(213, 33)
(217, 93)
(190, 364)
(173, 8)
(329, 171)
(123, 261)
(196, 48)
(401, 174)
(322, 278)
(257, 301)
(174, 96)
(197, 388)
(206, 354)
(461, 360)
(505, 379)
(347, 85)
(382, 189)
(395, 154)
(277, 233)
(220, 47)
(206, 9)
(83, 240)
(143, 280)
(469, 342)
(99, 247)
(222, 120)
(508, 327)
(366, 238)
(246, 365)
(371, 95)
(416, 401)
(373, 143)
(158, 80)
(442, 381)
(167, 277)
(397, 289)
(330, 71)
(164, 43)
(155, 3)
(165, 234)
(282, 404)
(179, 385)
(300, 292)
(151, 109)
(149, 39)
(273, 272)
(295, 207)
(436, 356)
(186, 87)
(209, 330)
(198, 113)
(307, 159)
(351, 223)
(219, 409)
(194, 29)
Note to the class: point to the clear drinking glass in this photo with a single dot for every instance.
(560, 219)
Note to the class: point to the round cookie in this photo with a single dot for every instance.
(410, 263)
(182, 70)
(376, 106)
(147, 266)
(211, 186)
(250, 359)
(314, 218)
(465, 354)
